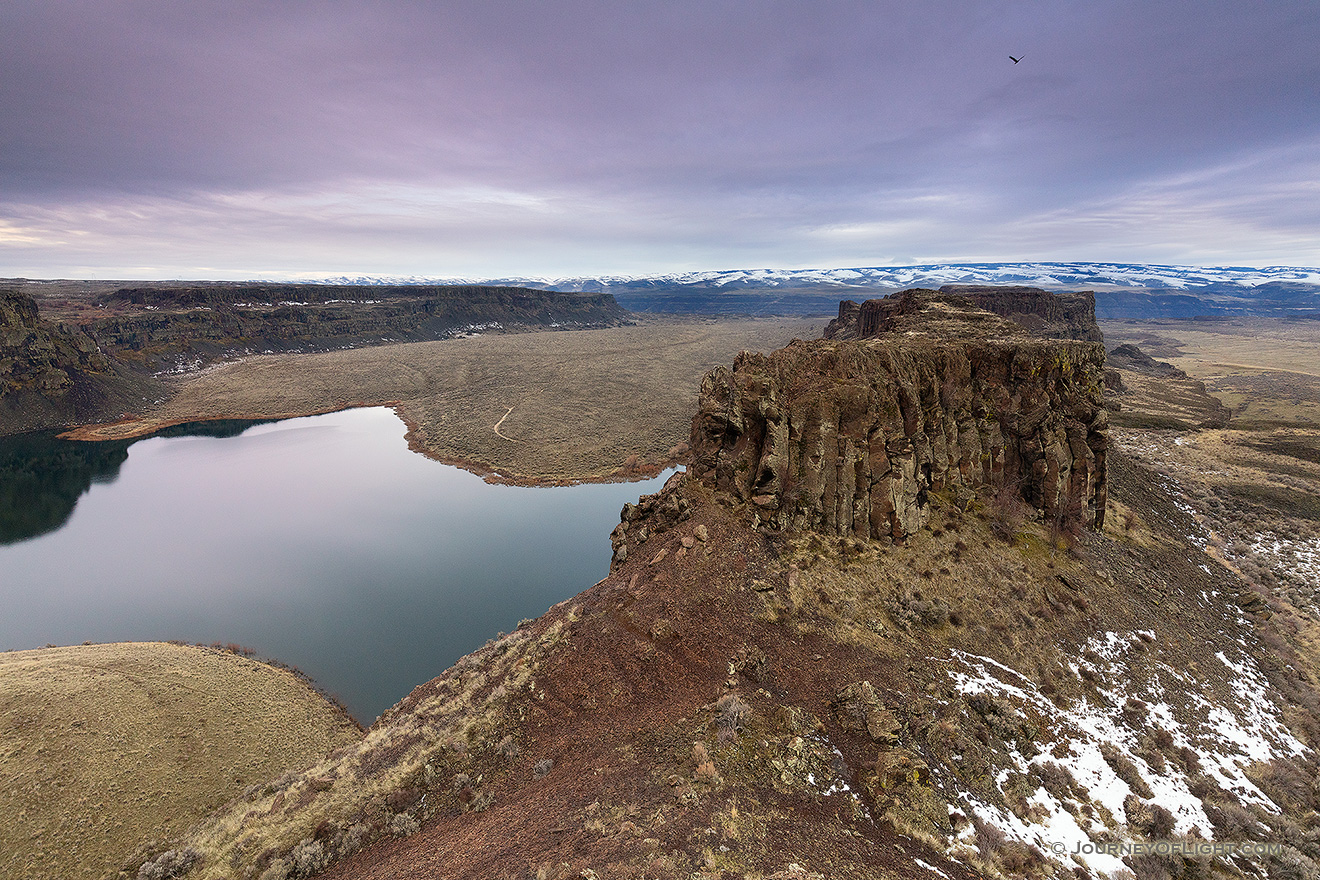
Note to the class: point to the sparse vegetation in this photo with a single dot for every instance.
(584, 403)
(118, 746)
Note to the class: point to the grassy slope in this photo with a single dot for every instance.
(104, 747)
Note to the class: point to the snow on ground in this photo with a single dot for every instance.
(1300, 557)
(929, 867)
(1227, 738)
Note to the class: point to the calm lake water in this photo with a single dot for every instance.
(321, 541)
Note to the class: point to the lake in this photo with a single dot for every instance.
(323, 542)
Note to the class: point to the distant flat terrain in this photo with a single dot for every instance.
(1266, 370)
(531, 407)
(105, 747)
(1255, 486)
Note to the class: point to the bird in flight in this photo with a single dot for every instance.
(1017, 59)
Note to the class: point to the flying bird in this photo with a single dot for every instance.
(1016, 60)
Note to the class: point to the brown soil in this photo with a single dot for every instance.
(581, 405)
(105, 747)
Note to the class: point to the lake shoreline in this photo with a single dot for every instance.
(143, 428)
(528, 409)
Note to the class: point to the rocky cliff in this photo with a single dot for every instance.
(171, 326)
(850, 437)
(51, 371)
(38, 356)
(1039, 312)
(1065, 315)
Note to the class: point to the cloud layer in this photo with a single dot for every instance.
(157, 139)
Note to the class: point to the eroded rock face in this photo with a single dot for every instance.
(1039, 312)
(35, 356)
(1045, 314)
(850, 437)
(205, 322)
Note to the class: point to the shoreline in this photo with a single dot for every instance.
(143, 428)
(588, 406)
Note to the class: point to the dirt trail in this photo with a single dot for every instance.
(496, 426)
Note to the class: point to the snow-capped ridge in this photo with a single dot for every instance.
(1046, 274)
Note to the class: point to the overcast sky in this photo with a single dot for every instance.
(279, 139)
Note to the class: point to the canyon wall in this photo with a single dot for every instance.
(38, 356)
(849, 437)
(168, 325)
(53, 374)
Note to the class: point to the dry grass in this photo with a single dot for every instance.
(408, 766)
(105, 747)
(569, 405)
(1266, 370)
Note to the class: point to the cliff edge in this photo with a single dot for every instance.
(850, 437)
(1065, 315)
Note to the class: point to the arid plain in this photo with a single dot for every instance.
(547, 407)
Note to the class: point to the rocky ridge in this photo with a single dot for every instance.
(40, 357)
(1064, 315)
(112, 352)
(1147, 393)
(170, 327)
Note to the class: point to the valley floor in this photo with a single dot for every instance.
(528, 408)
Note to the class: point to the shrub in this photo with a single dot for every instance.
(507, 747)
(309, 857)
(731, 712)
(169, 864)
(1125, 769)
(1007, 512)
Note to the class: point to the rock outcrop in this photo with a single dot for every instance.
(39, 357)
(849, 437)
(1039, 312)
(1065, 315)
(53, 373)
(1147, 393)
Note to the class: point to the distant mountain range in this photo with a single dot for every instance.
(1123, 290)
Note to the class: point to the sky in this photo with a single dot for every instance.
(491, 139)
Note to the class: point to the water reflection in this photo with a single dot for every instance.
(321, 541)
(42, 477)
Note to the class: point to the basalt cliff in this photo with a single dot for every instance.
(173, 326)
(52, 373)
(1068, 315)
(109, 353)
(849, 437)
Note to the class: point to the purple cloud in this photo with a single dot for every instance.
(488, 138)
